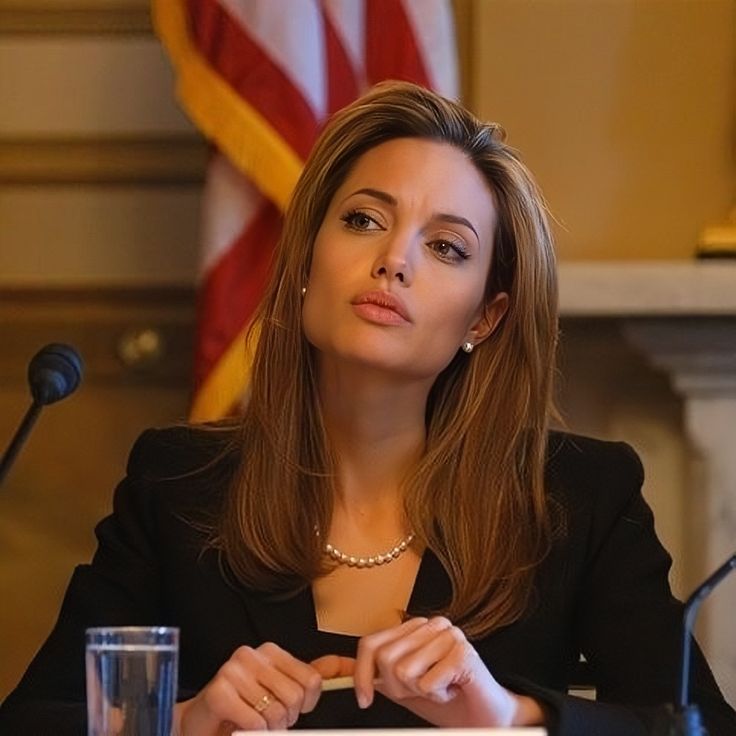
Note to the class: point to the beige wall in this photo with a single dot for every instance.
(623, 108)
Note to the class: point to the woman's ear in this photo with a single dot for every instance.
(493, 313)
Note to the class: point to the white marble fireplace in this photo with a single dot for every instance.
(680, 319)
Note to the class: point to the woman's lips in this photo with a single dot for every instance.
(381, 307)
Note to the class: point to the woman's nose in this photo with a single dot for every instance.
(393, 262)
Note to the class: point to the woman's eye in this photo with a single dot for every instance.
(451, 251)
(357, 220)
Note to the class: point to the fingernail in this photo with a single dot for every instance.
(362, 699)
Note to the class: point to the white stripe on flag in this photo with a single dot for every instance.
(348, 18)
(291, 34)
(434, 31)
(229, 202)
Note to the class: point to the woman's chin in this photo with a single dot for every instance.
(392, 364)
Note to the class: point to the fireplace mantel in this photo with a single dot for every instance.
(681, 315)
(648, 288)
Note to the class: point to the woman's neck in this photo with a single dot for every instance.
(376, 427)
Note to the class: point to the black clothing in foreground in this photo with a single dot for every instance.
(602, 591)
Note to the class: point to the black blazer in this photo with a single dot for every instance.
(602, 591)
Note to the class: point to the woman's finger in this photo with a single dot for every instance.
(275, 684)
(333, 665)
(251, 691)
(402, 662)
(366, 665)
(223, 702)
(434, 649)
(273, 710)
(286, 691)
(453, 671)
(296, 684)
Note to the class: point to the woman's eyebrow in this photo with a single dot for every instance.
(377, 194)
(456, 219)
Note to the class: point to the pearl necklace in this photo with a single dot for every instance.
(383, 559)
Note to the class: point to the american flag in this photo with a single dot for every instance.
(259, 78)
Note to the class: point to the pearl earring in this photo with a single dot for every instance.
(468, 347)
(304, 290)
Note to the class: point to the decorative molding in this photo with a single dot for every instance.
(698, 353)
(648, 288)
(125, 333)
(37, 17)
(136, 160)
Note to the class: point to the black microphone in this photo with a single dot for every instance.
(685, 719)
(54, 372)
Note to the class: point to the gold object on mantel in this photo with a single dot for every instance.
(718, 241)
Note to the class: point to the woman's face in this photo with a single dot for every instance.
(401, 260)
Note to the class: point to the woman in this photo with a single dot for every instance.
(392, 504)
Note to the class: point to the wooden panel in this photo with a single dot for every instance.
(74, 17)
(175, 159)
(94, 86)
(64, 235)
(62, 482)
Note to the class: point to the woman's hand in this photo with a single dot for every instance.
(430, 668)
(256, 689)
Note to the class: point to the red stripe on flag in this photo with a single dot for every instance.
(248, 69)
(233, 288)
(342, 85)
(391, 49)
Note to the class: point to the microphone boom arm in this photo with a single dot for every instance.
(691, 610)
(19, 438)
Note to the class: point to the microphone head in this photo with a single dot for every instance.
(54, 372)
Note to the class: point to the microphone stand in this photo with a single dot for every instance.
(685, 719)
(53, 373)
(19, 438)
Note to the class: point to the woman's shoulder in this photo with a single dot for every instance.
(184, 450)
(580, 457)
(180, 470)
(594, 475)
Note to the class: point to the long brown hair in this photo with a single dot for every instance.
(476, 497)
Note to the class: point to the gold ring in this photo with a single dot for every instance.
(260, 705)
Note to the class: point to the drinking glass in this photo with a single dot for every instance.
(131, 680)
